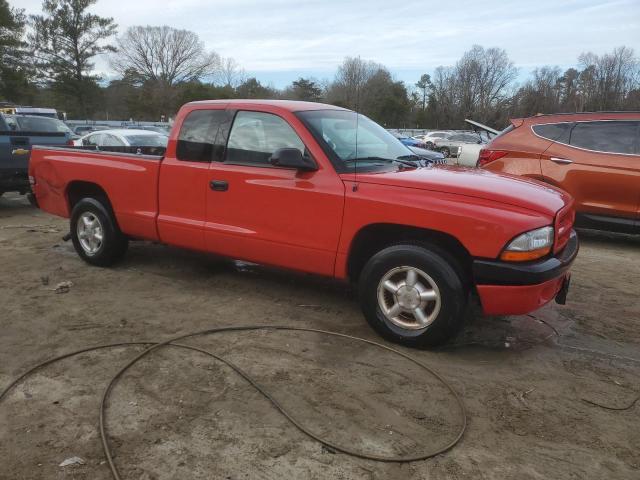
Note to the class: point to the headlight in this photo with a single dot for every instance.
(529, 246)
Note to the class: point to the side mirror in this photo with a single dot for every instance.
(292, 158)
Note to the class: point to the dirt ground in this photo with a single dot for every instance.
(180, 415)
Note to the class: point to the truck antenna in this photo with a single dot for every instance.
(354, 187)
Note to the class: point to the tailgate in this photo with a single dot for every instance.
(16, 147)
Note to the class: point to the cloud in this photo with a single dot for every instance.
(296, 36)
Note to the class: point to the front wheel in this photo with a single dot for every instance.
(95, 233)
(413, 295)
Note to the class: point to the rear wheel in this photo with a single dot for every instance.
(413, 294)
(95, 233)
(445, 151)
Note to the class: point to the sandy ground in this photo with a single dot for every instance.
(180, 415)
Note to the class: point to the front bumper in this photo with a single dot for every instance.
(517, 288)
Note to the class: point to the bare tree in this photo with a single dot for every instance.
(607, 80)
(350, 79)
(541, 94)
(230, 73)
(164, 55)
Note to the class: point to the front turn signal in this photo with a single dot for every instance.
(529, 246)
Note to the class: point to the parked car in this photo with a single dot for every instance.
(123, 138)
(151, 128)
(450, 145)
(18, 133)
(280, 183)
(468, 154)
(84, 129)
(428, 157)
(593, 156)
(429, 138)
(408, 141)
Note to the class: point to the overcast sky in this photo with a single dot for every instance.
(280, 40)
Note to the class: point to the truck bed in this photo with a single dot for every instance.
(129, 180)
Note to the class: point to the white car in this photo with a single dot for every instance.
(430, 137)
(123, 138)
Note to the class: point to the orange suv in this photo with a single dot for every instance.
(593, 156)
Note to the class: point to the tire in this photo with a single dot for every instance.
(430, 145)
(440, 291)
(445, 151)
(89, 217)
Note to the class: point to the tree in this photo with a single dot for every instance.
(478, 86)
(159, 59)
(252, 88)
(606, 80)
(64, 40)
(350, 79)
(230, 73)
(541, 94)
(385, 100)
(424, 84)
(164, 55)
(304, 89)
(15, 74)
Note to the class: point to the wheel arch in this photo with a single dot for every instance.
(79, 189)
(375, 237)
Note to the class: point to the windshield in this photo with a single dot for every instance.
(41, 124)
(147, 140)
(336, 130)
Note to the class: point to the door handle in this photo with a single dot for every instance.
(20, 151)
(561, 161)
(219, 185)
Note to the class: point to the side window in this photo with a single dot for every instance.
(92, 140)
(256, 135)
(111, 141)
(611, 137)
(203, 136)
(557, 132)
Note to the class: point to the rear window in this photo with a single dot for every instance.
(555, 132)
(610, 137)
(203, 136)
(40, 124)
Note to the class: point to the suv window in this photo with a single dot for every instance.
(611, 136)
(255, 136)
(203, 136)
(557, 132)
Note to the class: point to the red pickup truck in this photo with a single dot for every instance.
(321, 189)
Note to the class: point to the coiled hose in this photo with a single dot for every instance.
(172, 343)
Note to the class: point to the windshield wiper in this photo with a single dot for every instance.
(392, 160)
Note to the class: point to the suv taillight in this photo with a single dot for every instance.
(70, 143)
(487, 156)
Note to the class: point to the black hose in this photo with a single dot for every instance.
(154, 346)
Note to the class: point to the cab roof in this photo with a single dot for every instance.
(289, 105)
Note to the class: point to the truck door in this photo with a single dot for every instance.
(273, 215)
(184, 178)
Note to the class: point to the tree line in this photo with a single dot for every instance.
(48, 60)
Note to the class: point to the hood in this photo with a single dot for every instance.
(502, 188)
(427, 154)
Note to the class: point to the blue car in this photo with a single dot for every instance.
(408, 141)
